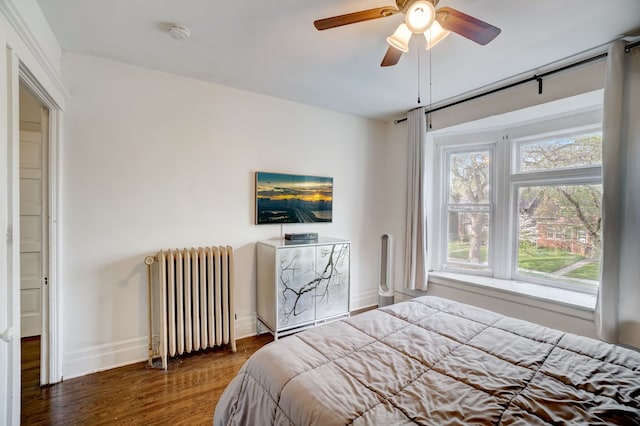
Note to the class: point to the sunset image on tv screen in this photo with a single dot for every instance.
(283, 198)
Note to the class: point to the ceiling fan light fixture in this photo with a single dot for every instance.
(400, 38)
(420, 16)
(435, 34)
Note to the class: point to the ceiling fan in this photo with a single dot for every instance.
(421, 17)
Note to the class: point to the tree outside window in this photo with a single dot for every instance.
(469, 210)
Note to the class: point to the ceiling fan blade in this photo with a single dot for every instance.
(352, 18)
(391, 57)
(467, 26)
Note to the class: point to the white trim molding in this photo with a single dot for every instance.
(105, 357)
(246, 326)
(42, 64)
(35, 56)
(364, 299)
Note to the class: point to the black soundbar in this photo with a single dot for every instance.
(301, 237)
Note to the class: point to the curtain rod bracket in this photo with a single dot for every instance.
(539, 80)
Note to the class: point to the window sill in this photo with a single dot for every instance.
(556, 299)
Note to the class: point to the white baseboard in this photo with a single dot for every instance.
(364, 299)
(246, 326)
(104, 357)
(118, 354)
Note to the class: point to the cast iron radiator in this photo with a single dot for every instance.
(190, 301)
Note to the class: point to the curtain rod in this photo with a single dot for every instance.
(535, 77)
(630, 46)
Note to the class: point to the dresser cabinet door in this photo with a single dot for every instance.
(332, 270)
(296, 285)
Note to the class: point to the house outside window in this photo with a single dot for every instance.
(521, 203)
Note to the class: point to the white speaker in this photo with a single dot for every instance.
(385, 284)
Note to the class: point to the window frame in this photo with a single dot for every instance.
(468, 148)
(506, 179)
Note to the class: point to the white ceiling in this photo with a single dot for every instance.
(272, 47)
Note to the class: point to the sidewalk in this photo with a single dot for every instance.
(573, 267)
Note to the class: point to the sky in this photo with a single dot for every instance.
(277, 186)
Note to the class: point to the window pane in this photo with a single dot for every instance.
(469, 177)
(571, 151)
(468, 239)
(559, 235)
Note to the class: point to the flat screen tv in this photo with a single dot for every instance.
(283, 198)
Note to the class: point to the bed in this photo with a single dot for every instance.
(434, 361)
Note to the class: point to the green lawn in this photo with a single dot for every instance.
(544, 259)
(587, 272)
(460, 250)
(536, 259)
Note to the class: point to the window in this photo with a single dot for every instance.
(523, 208)
(565, 257)
(551, 232)
(562, 151)
(468, 208)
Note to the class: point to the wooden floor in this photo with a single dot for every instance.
(185, 394)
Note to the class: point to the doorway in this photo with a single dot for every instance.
(34, 232)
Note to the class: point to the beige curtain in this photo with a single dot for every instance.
(415, 253)
(618, 305)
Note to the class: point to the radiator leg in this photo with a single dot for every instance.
(149, 261)
(232, 309)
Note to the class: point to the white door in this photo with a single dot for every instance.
(32, 231)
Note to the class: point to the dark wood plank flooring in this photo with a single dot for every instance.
(185, 394)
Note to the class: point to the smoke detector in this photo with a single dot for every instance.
(179, 32)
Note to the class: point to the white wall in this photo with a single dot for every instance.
(152, 160)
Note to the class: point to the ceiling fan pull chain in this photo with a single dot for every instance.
(418, 77)
(430, 91)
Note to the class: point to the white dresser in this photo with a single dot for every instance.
(302, 284)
